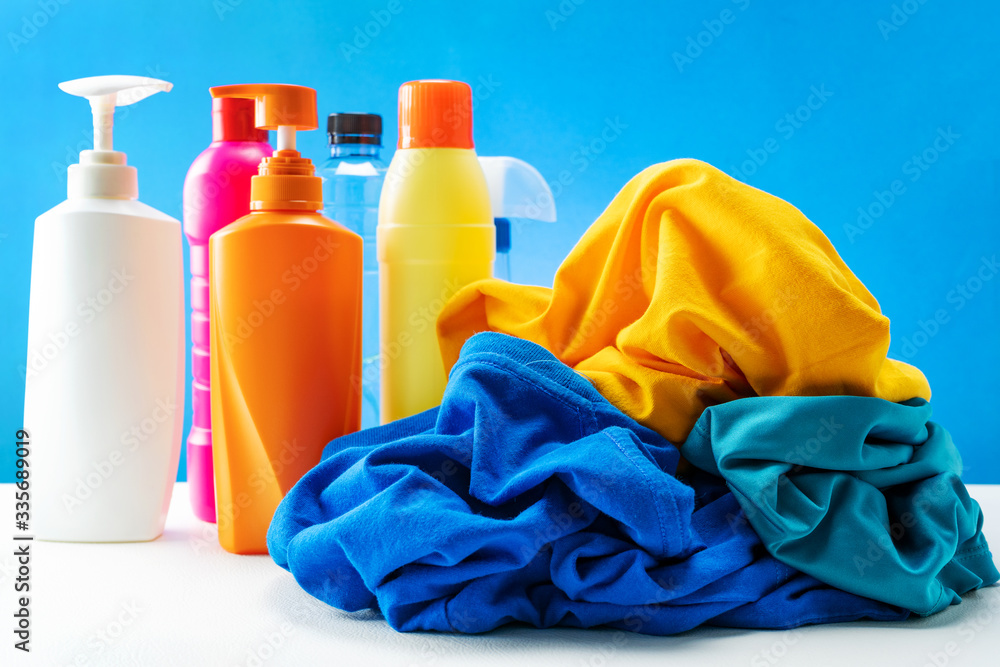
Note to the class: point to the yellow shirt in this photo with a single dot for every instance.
(693, 289)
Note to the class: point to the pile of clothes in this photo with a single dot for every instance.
(697, 424)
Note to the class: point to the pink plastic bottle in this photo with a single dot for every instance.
(216, 193)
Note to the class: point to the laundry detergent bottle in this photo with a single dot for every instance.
(435, 235)
(285, 315)
(352, 184)
(104, 395)
(216, 192)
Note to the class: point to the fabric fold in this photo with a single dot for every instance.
(527, 497)
(692, 289)
(861, 493)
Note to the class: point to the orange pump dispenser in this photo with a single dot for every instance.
(285, 303)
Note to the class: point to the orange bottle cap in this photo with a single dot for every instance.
(435, 113)
(285, 181)
(278, 104)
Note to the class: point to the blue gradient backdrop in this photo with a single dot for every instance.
(869, 86)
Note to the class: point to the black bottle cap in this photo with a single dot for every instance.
(354, 128)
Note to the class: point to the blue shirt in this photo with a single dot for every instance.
(526, 496)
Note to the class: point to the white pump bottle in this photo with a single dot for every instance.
(104, 386)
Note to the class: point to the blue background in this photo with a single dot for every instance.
(680, 79)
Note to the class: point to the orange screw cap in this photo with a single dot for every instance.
(435, 113)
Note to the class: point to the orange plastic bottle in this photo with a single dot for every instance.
(285, 304)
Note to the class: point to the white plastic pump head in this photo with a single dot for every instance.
(102, 172)
(107, 92)
(517, 190)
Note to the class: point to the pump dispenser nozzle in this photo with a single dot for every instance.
(107, 92)
(102, 172)
(285, 181)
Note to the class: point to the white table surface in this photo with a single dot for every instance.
(183, 601)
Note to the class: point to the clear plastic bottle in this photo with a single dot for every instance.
(352, 184)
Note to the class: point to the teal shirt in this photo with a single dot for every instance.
(861, 493)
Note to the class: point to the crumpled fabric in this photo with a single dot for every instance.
(526, 496)
(693, 289)
(861, 493)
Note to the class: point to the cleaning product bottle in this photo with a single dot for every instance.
(216, 192)
(104, 395)
(285, 302)
(517, 192)
(435, 235)
(352, 183)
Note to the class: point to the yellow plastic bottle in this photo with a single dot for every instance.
(285, 319)
(435, 235)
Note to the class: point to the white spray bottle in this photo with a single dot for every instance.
(517, 193)
(104, 386)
